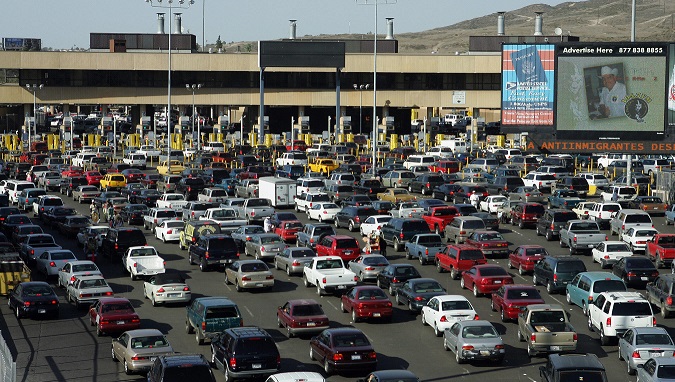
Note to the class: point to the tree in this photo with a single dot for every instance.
(219, 43)
(249, 47)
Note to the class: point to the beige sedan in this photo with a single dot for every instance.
(249, 274)
(137, 349)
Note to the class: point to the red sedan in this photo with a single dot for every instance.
(72, 171)
(492, 243)
(509, 300)
(525, 257)
(133, 175)
(93, 177)
(113, 315)
(288, 230)
(485, 278)
(302, 316)
(366, 301)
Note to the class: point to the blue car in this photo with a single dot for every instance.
(586, 286)
(28, 196)
(228, 185)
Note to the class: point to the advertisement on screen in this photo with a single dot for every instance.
(527, 84)
(611, 91)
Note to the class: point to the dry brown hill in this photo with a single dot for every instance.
(591, 20)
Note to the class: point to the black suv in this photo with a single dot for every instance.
(502, 185)
(246, 352)
(118, 240)
(556, 272)
(72, 183)
(578, 367)
(190, 187)
(552, 221)
(398, 231)
(180, 367)
(580, 185)
(425, 183)
(353, 216)
(212, 250)
(338, 192)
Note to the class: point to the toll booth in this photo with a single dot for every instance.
(388, 124)
(346, 125)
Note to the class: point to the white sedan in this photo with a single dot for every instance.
(492, 203)
(441, 312)
(167, 288)
(323, 211)
(75, 269)
(97, 231)
(373, 224)
(169, 230)
(637, 237)
(51, 262)
(608, 253)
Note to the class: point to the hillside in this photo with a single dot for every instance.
(591, 20)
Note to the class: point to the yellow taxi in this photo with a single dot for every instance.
(113, 181)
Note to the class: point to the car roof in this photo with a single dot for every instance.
(215, 301)
(451, 297)
(143, 333)
(576, 361)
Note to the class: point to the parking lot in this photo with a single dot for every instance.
(68, 348)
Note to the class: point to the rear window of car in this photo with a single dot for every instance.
(415, 226)
(407, 175)
(131, 236)
(562, 217)
(534, 209)
(473, 224)
(321, 230)
(194, 181)
(638, 218)
(166, 214)
(571, 267)
(220, 312)
(471, 254)
(255, 346)
(609, 286)
(52, 202)
(346, 243)
(631, 309)
(117, 178)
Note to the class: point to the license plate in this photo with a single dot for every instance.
(311, 324)
(258, 284)
(42, 311)
(484, 352)
(356, 357)
(376, 314)
(644, 278)
(341, 287)
(257, 366)
(173, 294)
(498, 281)
(655, 354)
(348, 252)
(120, 322)
(274, 250)
(152, 359)
(555, 348)
(590, 246)
(224, 261)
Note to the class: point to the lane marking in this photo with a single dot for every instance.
(249, 311)
(559, 302)
(331, 304)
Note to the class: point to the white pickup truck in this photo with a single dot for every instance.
(142, 261)
(148, 151)
(174, 201)
(226, 217)
(328, 274)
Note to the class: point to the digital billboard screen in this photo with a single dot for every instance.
(611, 91)
(527, 85)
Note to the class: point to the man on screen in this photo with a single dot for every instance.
(612, 94)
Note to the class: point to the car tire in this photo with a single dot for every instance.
(437, 332)
(604, 340)
(288, 270)
(336, 223)
(535, 281)
(199, 337)
(127, 371)
(549, 236)
(568, 298)
(520, 336)
(458, 358)
(549, 287)
(203, 267)
(421, 259)
(462, 284)
(397, 245)
(521, 270)
(113, 357)
(305, 281)
(475, 291)
(351, 226)
(355, 317)
(326, 367)
(664, 312)
(318, 290)
(237, 286)
(391, 290)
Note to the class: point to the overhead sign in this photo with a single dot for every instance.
(459, 98)
(301, 54)
(527, 84)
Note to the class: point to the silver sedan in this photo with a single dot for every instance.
(367, 267)
(527, 194)
(293, 259)
(264, 246)
(249, 274)
(648, 343)
(474, 340)
(660, 369)
(49, 263)
(138, 348)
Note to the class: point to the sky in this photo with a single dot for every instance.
(67, 24)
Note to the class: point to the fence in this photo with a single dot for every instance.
(7, 364)
(665, 185)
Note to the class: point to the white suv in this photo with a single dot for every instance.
(542, 181)
(613, 313)
(598, 180)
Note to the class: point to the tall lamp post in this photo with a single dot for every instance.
(360, 88)
(194, 88)
(375, 129)
(181, 5)
(34, 89)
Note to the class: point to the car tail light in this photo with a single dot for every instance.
(653, 321)
(555, 278)
(419, 298)
(636, 354)
(575, 337)
(631, 274)
(476, 317)
(499, 347)
(160, 290)
(338, 357)
(186, 289)
(245, 278)
(462, 232)
(72, 279)
(52, 264)
(357, 219)
(138, 358)
(533, 337)
(371, 355)
(552, 227)
(623, 227)
(323, 280)
(108, 293)
(606, 238)
(233, 363)
(269, 277)
(467, 347)
(401, 235)
(575, 239)
(609, 321)
(117, 247)
(669, 300)
(27, 303)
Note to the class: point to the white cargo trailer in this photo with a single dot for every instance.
(280, 191)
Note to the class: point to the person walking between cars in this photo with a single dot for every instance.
(474, 198)
(267, 225)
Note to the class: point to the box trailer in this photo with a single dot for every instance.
(280, 191)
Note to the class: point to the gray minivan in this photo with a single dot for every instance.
(622, 220)
(461, 227)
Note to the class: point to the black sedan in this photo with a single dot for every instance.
(491, 221)
(53, 215)
(70, 226)
(357, 200)
(133, 213)
(394, 275)
(131, 190)
(13, 221)
(446, 191)
(103, 198)
(343, 349)
(383, 207)
(416, 292)
(635, 271)
(145, 196)
(34, 299)
(6, 211)
(133, 175)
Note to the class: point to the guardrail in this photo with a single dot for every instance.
(7, 364)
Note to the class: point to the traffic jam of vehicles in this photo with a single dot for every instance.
(508, 265)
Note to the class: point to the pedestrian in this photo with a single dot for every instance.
(110, 211)
(474, 198)
(383, 247)
(118, 220)
(267, 225)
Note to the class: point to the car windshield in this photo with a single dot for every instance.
(271, 240)
(427, 286)
(350, 340)
(536, 252)
(482, 331)
(523, 294)
(653, 339)
(609, 286)
(117, 307)
(307, 310)
(493, 271)
(581, 375)
(632, 309)
(149, 342)
(254, 267)
(456, 305)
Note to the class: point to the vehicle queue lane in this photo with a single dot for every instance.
(67, 348)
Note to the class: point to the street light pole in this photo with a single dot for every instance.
(181, 5)
(194, 88)
(33, 88)
(360, 88)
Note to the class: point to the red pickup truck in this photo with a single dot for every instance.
(458, 258)
(661, 249)
(438, 217)
(346, 247)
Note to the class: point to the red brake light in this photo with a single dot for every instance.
(609, 321)
(52, 264)
(160, 290)
(636, 354)
(338, 357)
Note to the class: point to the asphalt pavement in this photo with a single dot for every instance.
(67, 349)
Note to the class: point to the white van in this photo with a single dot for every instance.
(214, 147)
(418, 160)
